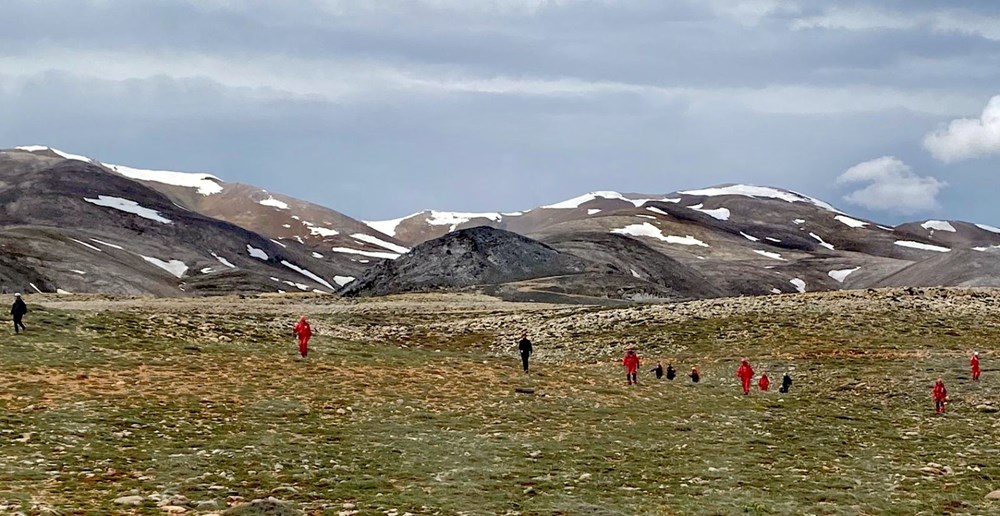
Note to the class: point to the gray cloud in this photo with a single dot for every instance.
(891, 185)
(379, 108)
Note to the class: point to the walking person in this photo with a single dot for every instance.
(974, 363)
(18, 310)
(786, 383)
(304, 332)
(940, 396)
(764, 382)
(658, 370)
(695, 376)
(631, 363)
(524, 347)
(745, 374)
(671, 372)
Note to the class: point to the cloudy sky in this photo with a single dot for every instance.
(379, 108)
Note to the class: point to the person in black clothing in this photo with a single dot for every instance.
(658, 370)
(786, 383)
(695, 377)
(524, 346)
(671, 373)
(17, 310)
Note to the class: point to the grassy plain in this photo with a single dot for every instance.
(409, 405)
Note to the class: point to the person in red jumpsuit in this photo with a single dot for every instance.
(764, 382)
(631, 363)
(303, 331)
(940, 396)
(974, 362)
(745, 374)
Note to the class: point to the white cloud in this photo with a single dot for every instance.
(892, 186)
(968, 137)
(870, 18)
(360, 80)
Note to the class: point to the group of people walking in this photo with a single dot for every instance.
(940, 392)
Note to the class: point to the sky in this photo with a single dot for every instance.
(380, 108)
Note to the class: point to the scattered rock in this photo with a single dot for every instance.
(989, 409)
(129, 500)
(173, 509)
(269, 507)
(208, 505)
(585, 476)
(993, 495)
(524, 390)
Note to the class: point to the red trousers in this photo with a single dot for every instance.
(975, 373)
(303, 346)
(746, 385)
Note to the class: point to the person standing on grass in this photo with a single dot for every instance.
(18, 310)
(658, 370)
(695, 376)
(671, 372)
(524, 347)
(631, 363)
(974, 362)
(304, 332)
(745, 374)
(764, 382)
(940, 396)
(786, 383)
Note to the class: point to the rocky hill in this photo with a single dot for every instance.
(166, 233)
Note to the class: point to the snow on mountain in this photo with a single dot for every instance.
(66, 155)
(848, 221)
(938, 225)
(129, 207)
(585, 198)
(717, 213)
(175, 267)
(760, 192)
(274, 203)
(205, 184)
(922, 246)
(991, 229)
(842, 274)
(381, 243)
(648, 230)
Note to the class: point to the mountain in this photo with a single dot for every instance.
(72, 225)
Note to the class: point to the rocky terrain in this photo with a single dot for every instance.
(417, 404)
(727, 240)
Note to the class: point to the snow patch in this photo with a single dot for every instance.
(61, 291)
(841, 275)
(370, 254)
(750, 237)
(128, 206)
(224, 261)
(274, 203)
(316, 255)
(938, 225)
(821, 241)
(799, 221)
(772, 239)
(343, 280)
(986, 227)
(769, 254)
(775, 291)
(78, 271)
(654, 209)
(61, 154)
(276, 242)
(175, 267)
(109, 244)
(206, 184)
(593, 211)
(381, 243)
(718, 213)
(307, 274)
(454, 218)
(648, 230)
(759, 192)
(983, 249)
(86, 244)
(848, 221)
(36, 288)
(257, 253)
(635, 274)
(799, 285)
(585, 198)
(922, 246)
(388, 227)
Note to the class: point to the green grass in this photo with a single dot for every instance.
(97, 405)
